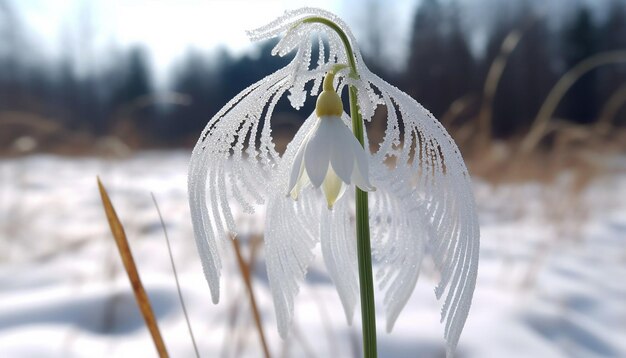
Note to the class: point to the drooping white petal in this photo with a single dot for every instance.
(218, 180)
(400, 231)
(360, 181)
(360, 171)
(341, 156)
(288, 253)
(317, 153)
(291, 232)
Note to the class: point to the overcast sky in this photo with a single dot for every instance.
(167, 29)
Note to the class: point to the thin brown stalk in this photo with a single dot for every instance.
(456, 108)
(491, 84)
(229, 337)
(141, 296)
(610, 110)
(31, 121)
(541, 122)
(180, 293)
(245, 274)
(234, 342)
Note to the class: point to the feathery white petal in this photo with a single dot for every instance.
(436, 176)
(288, 253)
(209, 199)
(338, 242)
(291, 232)
(398, 222)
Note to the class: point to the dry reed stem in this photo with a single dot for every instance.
(229, 336)
(245, 274)
(131, 269)
(180, 293)
(145, 101)
(38, 127)
(456, 108)
(540, 124)
(232, 338)
(491, 84)
(31, 121)
(610, 109)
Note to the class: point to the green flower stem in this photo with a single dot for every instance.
(342, 36)
(364, 250)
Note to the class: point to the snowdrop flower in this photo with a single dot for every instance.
(422, 207)
(330, 154)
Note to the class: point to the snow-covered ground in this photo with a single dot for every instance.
(552, 277)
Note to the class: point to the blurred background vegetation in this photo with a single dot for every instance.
(484, 68)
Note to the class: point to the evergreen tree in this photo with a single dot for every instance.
(440, 65)
(129, 83)
(581, 38)
(529, 71)
(612, 78)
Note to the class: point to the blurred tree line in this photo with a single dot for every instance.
(443, 68)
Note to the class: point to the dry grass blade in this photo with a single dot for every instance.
(491, 84)
(180, 293)
(541, 122)
(234, 342)
(245, 273)
(456, 108)
(131, 269)
(610, 110)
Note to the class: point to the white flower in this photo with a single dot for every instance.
(423, 204)
(330, 155)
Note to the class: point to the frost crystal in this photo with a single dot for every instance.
(423, 205)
